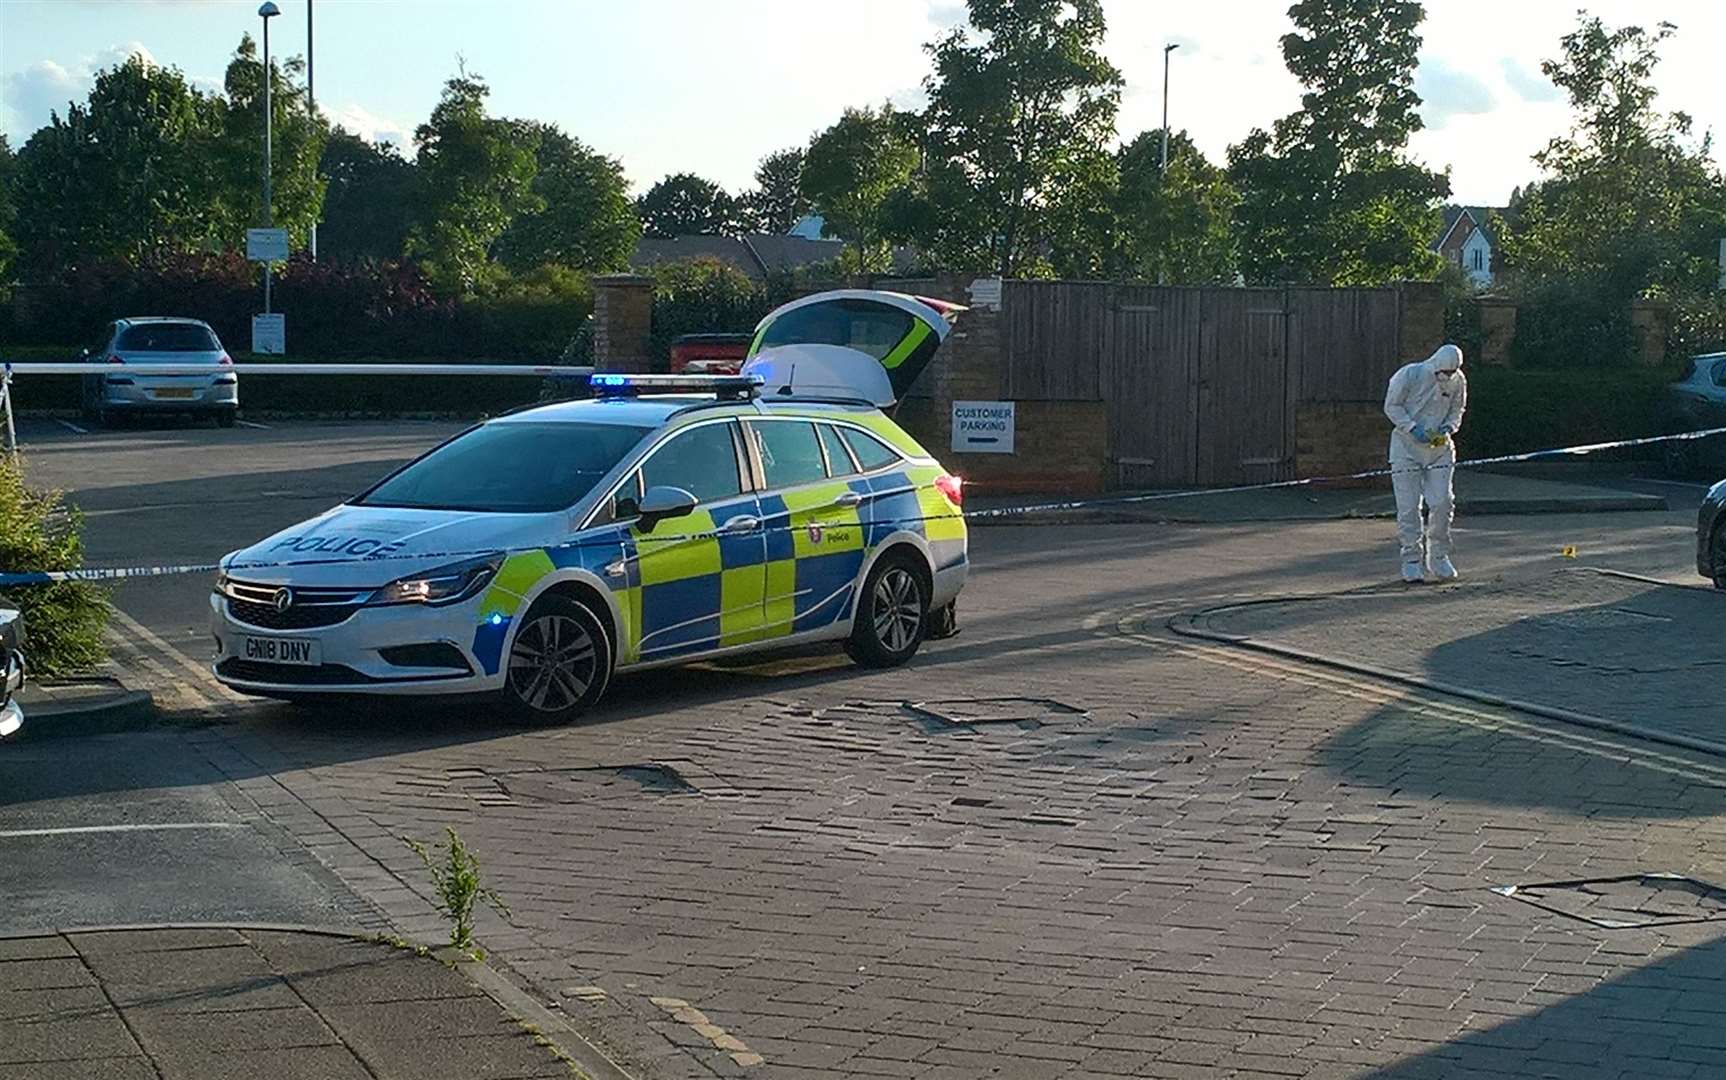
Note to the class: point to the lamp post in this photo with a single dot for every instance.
(267, 12)
(311, 108)
(1167, 49)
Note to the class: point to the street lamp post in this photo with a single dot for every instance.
(311, 107)
(267, 12)
(1167, 49)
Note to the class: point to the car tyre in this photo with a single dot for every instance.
(226, 418)
(892, 612)
(559, 662)
(1717, 555)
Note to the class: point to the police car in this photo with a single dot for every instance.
(668, 519)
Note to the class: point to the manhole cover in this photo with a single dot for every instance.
(966, 712)
(605, 781)
(1628, 902)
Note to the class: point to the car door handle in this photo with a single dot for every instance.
(742, 523)
(850, 498)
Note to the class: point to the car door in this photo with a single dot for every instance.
(702, 577)
(900, 332)
(809, 505)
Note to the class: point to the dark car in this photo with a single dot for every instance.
(1694, 403)
(11, 671)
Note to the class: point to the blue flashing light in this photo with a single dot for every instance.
(496, 619)
(613, 384)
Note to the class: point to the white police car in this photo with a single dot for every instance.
(668, 519)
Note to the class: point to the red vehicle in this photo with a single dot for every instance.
(709, 354)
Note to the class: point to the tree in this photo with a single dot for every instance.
(1021, 109)
(297, 138)
(684, 204)
(478, 174)
(368, 199)
(8, 213)
(125, 173)
(1177, 226)
(849, 173)
(777, 203)
(1330, 196)
(1630, 204)
(585, 220)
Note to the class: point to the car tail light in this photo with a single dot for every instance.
(952, 487)
(226, 359)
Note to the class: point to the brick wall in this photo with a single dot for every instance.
(1422, 319)
(622, 321)
(1338, 438)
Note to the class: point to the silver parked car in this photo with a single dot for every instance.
(130, 347)
(11, 671)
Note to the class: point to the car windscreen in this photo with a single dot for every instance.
(167, 337)
(514, 467)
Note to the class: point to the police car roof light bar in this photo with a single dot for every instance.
(725, 387)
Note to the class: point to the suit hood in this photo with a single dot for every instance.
(1446, 358)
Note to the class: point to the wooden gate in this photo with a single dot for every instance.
(1201, 384)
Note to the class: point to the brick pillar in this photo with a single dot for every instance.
(1649, 318)
(1497, 329)
(622, 322)
(968, 367)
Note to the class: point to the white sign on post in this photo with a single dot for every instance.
(986, 293)
(983, 427)
(267, 245)
(270, 334)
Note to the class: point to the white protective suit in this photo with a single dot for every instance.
(1418, 397)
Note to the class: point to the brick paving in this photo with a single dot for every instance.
(1197, 862)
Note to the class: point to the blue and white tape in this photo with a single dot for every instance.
(100, 574)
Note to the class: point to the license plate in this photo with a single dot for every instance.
(301, 652)
(173, 392)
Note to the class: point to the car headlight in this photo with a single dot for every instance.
(445, 585)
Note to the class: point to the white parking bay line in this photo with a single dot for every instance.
(168, 826)
(253, 424)
(73, 428)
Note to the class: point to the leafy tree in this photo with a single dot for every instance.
(586, 219)
(850, 171)
(297, 139)
(125, 173)
(8, 213)
(368, 201)
(478, 174)
(1021, 109)
(1330, 196)
(1175, 227)
(684, 204)
(1630, 203)
(777, 202)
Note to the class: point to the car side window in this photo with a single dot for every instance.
(1720, 373)
(701, 461)
(839, 461)
(790, 453)
(871, 452)
(624, 504)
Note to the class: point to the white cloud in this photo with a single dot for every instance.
(370, 126)
(1529, 83)
(28, 98)
(1446, 91)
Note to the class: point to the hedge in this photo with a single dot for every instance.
(1515, 410)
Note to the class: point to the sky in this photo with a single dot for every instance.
(711, 86)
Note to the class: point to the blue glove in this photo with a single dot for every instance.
(1447, 431)
(1421, 434)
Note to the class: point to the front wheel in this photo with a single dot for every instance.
(888, 627)
(1717, 555)
(559, 662)
(226, 418)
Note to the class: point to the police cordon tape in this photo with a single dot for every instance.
(99, 574)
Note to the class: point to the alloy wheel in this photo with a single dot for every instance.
(897, 609)
(552, 663)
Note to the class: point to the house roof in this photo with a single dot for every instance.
(1481, 216)
(757, 254)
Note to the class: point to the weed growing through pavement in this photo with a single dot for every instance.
(455, 877)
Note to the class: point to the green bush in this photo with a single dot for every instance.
(1572, 324)
(1697, 326)
(63, 622)
(1516, 410)
(702, 296)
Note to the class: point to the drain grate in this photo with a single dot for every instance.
(1632, 901)
(598, 782)
(971, 712)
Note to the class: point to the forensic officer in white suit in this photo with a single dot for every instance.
(1425, 402)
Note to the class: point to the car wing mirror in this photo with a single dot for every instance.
(662, 504)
